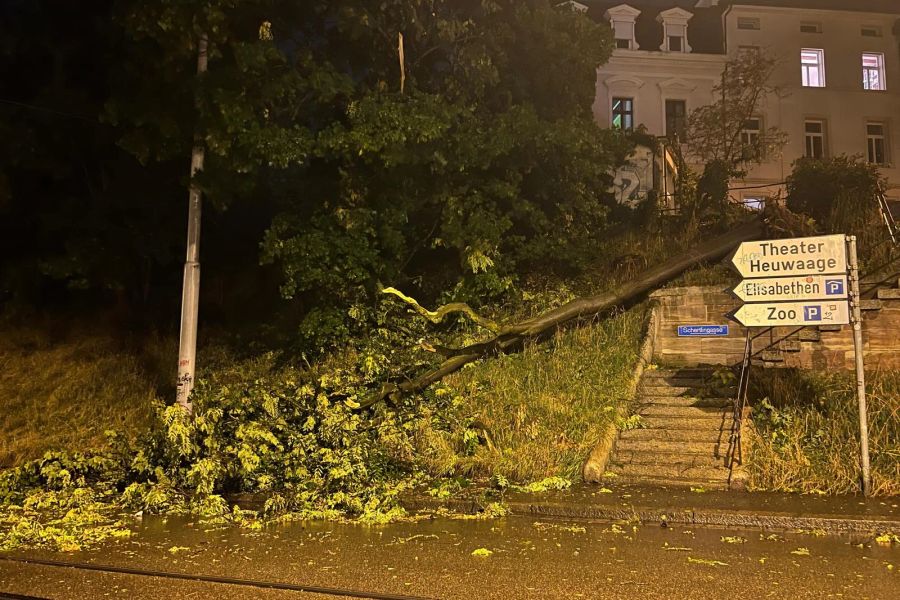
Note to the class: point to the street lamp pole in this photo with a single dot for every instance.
(187, 347)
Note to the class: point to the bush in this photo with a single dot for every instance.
(840, 194)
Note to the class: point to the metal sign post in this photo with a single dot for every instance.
(856, 319)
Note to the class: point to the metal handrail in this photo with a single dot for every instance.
(888, 217)
(735, 449)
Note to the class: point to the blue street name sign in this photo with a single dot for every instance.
(702, 330)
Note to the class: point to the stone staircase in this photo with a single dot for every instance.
(684, 432)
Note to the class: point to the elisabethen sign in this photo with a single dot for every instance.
(779, 289)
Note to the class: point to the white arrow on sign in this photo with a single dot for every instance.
(778, 289)
(797, 256)
(774, 314)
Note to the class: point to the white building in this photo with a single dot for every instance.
(838, 74)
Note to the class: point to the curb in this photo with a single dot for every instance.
(834, 524)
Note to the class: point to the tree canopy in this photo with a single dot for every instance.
(481, 163)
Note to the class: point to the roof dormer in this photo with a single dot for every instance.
(675, 25)
(576, 6)
(621, 19)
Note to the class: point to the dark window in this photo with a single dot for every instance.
(623, 113)
(811, 27)
(676, 118)
(622, 43)
(871, 32)
(750, 138)
(675, 43)
(815, 139)
(748, 23)
(876, 141)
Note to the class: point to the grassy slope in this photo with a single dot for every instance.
(539, 412)
(807, 440)
(63, 393)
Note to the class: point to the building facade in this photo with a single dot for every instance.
(837, 75)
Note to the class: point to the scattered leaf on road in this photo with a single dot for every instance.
(733, 539)
(706, 561)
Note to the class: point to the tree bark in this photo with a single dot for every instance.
(512, 336)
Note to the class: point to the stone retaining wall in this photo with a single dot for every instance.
(708, 306)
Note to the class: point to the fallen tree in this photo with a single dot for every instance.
(511, 337)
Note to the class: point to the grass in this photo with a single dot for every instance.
(538, 413)
(63, 391)
(806, 431)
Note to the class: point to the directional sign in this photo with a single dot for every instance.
(774, 314)
(798, 256)
(702, 330)
(779, 289)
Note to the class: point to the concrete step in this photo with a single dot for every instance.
(870, 304)
(651, 411)
(790, 346)
(694, 374)
(888, 294)
(657, 435)
(651, 389)
(771, 356)
(810, 335)
(717, 402)
(708, 425)
(676, 483)
(670, 459)
(685, 471)
(693, 383)
(700, 448)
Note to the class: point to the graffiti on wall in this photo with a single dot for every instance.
(633, 180)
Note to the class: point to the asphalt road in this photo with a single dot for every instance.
(434, 559)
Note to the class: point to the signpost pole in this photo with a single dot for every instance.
(856, 316)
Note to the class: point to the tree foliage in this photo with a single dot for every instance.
(488, 162)
(715, 131)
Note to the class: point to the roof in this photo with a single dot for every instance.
(875, 6)
(704, 30)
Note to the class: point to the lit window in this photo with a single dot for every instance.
(755, 202)
(676, 118)
(873, 71)
(623, 114)
(812, 65)
(815, 139)
(748, 23)
(870, 31)
(750, 137)
(810, 27)
(877, 142)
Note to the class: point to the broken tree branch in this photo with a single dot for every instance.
(436, 316)
(513, 336)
